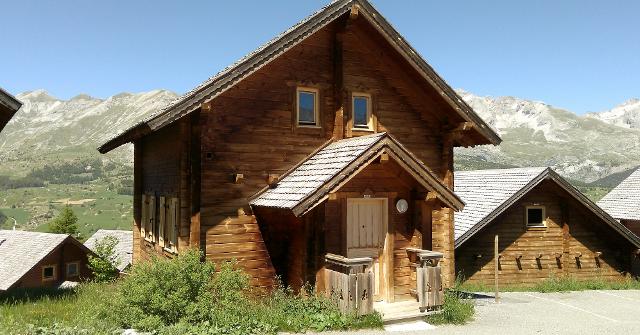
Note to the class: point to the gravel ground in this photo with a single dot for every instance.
(587, 312)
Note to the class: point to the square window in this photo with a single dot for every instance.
(361, 105)
(72, 269)
(307, 107)
(536, 216)
(48, 272)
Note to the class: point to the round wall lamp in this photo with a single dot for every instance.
(402, 206)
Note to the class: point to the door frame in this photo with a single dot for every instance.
(386, 258)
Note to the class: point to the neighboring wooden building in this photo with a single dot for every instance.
(546, 228)
(123, 249)
(335, 124)
(8, 107)
(623, 202)
(31, 260)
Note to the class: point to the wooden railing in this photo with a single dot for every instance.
(429, 288)
(349, 283)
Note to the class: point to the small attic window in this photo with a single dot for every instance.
(361, 107)
(307, 106)
(536, 216)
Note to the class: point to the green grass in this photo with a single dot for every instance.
(47, 311)
(558, 284)
(21, 215)
(457, 310)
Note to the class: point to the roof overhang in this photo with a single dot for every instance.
(251, 63)
(9, 105)
(549, 174)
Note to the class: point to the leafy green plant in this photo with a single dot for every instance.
(457, 309)
(102, 265)
(65, 223)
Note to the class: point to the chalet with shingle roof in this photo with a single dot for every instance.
(332, 143)
(123, 248)
(8, 107)
(31, 259)
(623, 202)
(545, 228)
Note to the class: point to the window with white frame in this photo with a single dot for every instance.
(536, 216)
(307, 107)
(361, 110)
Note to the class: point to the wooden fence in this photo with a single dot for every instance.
(350, 283)
(429, 288)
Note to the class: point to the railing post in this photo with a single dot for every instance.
(350, 283)
(428, 277)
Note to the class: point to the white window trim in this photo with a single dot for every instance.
(77, 269)
(316, 106)
(544, 216)
(355, 95)
(55, 272)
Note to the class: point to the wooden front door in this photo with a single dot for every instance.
(367, 222)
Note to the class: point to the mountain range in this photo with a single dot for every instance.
(584, 148)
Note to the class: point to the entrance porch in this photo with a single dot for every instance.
(358, 220)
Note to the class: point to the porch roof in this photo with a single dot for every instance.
(310, 182)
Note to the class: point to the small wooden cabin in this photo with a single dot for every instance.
(623, 202)
(335, 138)
(32, 260)
(8, 107)
(546, 228)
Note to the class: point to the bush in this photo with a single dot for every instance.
(188, 296)
(102, 264)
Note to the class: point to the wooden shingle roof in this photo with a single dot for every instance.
(488, 193)
(230, 76)
(310, 182)
(20, 251)
(123, 249)
(623, 202)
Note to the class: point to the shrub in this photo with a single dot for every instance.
(102, 264)
(65, 223)
(457, 308)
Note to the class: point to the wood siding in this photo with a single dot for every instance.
(530, 255)
(250, 130)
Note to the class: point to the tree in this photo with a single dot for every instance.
(102, 265)
(65, 223)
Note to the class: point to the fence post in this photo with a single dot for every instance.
(496, 256)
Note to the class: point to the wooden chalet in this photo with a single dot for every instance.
(8, 107)
(329, 146)
(623, 202)
(546, 228)
(33, 260)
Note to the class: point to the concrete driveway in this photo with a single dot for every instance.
(587, 312)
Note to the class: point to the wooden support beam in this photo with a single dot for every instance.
(384, 158)
(354, 12)
(238, 178)
(431, 196)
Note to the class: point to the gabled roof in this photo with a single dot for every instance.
(252, 62)
(623, 202)
(489, 193)
(310, 182)
(8, 107)
(123, 250)
(20, 251)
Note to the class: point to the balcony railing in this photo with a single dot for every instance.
(349, 283)
(429, 289)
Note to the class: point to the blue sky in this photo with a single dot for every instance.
(580, 55)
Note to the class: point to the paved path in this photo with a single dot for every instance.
(580, 313)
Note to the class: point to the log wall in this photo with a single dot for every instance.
(530, 255)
